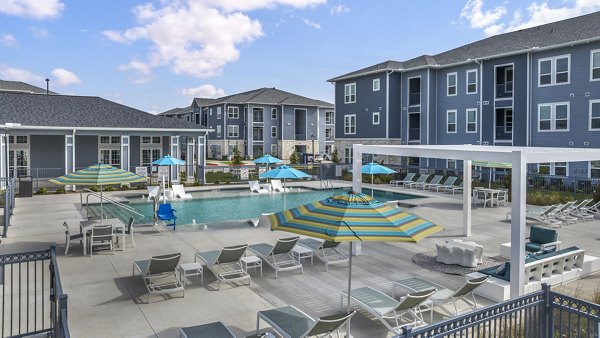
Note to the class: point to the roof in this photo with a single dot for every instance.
(18, 86)
(203, 101)
(176, 111)
(77, 112)
(271, 96)
(378, 68)
(573, 30)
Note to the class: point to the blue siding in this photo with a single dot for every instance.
(395, 105)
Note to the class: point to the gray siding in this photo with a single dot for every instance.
(47, 151)
(395, 105)
(86, 151)
(134, 151)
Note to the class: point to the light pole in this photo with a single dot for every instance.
(312, 137)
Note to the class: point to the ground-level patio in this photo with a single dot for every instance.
(106, 301)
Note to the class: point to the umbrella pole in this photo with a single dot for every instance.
(371, 185)
(284, 193)
(101, 204)
(349, 286)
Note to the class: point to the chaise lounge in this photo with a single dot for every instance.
(225, 264)
(290, 322)
(159, 274)
(327, 251)
(278, 256)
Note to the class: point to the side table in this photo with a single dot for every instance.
(191, 269)
(299, 252)
(251, 262)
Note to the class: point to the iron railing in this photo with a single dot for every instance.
(540, 314)
(8, 198)
(33, 301)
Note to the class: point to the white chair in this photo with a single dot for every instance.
(152, 191)
(69, 237)
(255, 187)
(102, 235)
(179, 192)
(277, 186)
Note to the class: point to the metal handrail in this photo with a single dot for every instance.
(102, 198)
(327, 183)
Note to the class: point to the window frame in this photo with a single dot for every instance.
(508, 123)
(448, 124)
(592, 52)
(349, 96)
(235, 114)
(274, 149)
(448, 86)
(219, 112)
(273, 131)
(377, 87)
(348, 154)
(329, 117)
(467, 81)
(591, 104)
(350, 128)
(448, 161)
(274, 112)
(553, 70)
(233, 131)
(262, 114)
(467, 120)
(552, 120)
(592, 167)
(375, 116)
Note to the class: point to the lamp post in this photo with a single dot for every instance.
(312, 137)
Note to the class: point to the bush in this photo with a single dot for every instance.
(61, 190)
(217, 177)
(237, 158)
(42, 191)
(335, 156)
(124, 187)
(109, 188)
(94, 188)
(596, 194)
(294, 158)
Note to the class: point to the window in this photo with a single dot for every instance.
(233, 131)
(376, 118)
(218, 112)
(110, 139)
(328, 134)
(414, 91)
(595, 65)
(328, 149)
(348, 154)
(595, 169)
(350, 93)
(350, 124)
(150, 155)
(555, 168)
(508, 79)
(553, 117)
(329, 117)
(273, 113)
(560, 168)
(451, 84)
(18, 155)
(110, 156)
(219, 131)
(472, 81)
(451, 164)
(376, 85)
(257, 115)
(451, 121)
(151, 140)
(508, 121)
(274, 131)
(18, 139)
(257, 134)
(554, 70)
(233, 112)
(471, 121)
(544, 168)
(594, 114)
(274, 150)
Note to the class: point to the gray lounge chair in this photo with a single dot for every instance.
(225, 263)
(421, 180)
(449, 182)
(212, 330)
(461, 294)
(434, 181)
(407, 179)
(386, 308)
(159, 274)
(327, 251)
(293, 323)
(278, 256)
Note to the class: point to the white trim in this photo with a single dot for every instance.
(474, 70)
(448, 75)
(276, 134)
(512, 81)
(553, 117)
(553, 70)
(467, 120)
(375, 114)
(455, 164)
(236, 112)
(348, 94)
(164, 130)
(592, 52)
(590, 168)
(332, 119)
(408, 91)
(378, 82)
(274, 109)
(347, 119)
(512, 122)
(455, 123)
(234, 127)
(590, 115)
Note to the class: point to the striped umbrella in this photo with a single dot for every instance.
(100, 175)
(353, 216)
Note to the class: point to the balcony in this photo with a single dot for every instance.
(504, 90)
(414, 134)
(300, 137)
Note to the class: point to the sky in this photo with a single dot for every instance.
(158, 55)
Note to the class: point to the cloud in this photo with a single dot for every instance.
(65, 77)
(34, 9)
(207, 91)
(188, 45)
(17, 74)
(493, 21)
(39, 32)
(339, 10)
(7, 40)
(310, 23)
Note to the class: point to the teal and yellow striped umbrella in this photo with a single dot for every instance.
(99, 174)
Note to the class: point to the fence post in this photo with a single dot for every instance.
(406, 332)
(547, 316)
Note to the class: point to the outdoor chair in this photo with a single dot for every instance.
(152, 191)
(543, 215)
(455, 188)
(421, 180)
(128, 231)
(579, 211)
(407, 179)
(255, 187)
(69, 237)
(289, 321)
(541, 239)
(481, 197)
(166, 213)
(212, 330)
(327, 251)
(159, 274)
(102, 235)
(278, 256)
(502, 198)
(179, 192)
(447, 183)
(562, 213)
(225, 263)
(461, 294)
(593, 209)
(387, 309)
(434, 181)
(277, 186)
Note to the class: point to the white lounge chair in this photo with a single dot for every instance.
(255, 187)
(278, 256)
(421, 180)
(179, 192)
(447, 184)
(407, 179)
(434, 181)
(327, 251)
(277, 186)
(159, 274)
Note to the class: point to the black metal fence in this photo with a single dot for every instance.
(8, 201)
(32, 298)
(540, 314)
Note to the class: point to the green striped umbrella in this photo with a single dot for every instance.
(99, 174)
(491, 165)
(353, 216)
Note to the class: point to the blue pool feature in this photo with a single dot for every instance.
(211, 207)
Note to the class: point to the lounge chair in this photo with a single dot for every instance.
(159, 274)
(421, 180)
(407, 179)
(447, 183)
(327, 251)
(291, 322)
(166, 213)
(460, 294)
(455, 188)
(212, 330)
(579, 210)
(386, 308)
(69, 237)
(179, 192)
(543, 215)
(225, 263)
(434, 181)
(263, 220)
(593, 209)
(277, 186)
(562, 213)
(255, 187)
(278, 256)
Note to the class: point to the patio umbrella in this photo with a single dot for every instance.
(284, 172)
(267, 159)
(100, 175)
(353, 216)
(374, 168)
(168, 160)
(492, 165)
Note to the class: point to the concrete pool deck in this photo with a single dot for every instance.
(106, 301)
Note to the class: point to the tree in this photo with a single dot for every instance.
(237, 157)
(294, 158)
(335, 157)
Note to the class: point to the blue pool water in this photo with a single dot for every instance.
(210, 207)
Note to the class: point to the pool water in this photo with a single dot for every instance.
(211, 207)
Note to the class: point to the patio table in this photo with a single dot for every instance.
(492, 193)
(415, 284)
(86, 227)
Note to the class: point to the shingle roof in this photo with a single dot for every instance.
(175, 111)
(18, 86)
(271, 96)
(203, 101)
(78, 111)
(567, 31)
(378, 68)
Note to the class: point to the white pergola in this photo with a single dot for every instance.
(519, 157)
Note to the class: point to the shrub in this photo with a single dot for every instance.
(124, 187)
(294, 158)
(109, 188)
(42, 191)
(61, 190)
(94, 188)
(335, 156)
(596, 194)
(237, 158)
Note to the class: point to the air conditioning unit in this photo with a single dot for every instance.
(586, 143)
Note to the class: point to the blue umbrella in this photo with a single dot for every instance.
(168, 160)
(284, 172)
(375, 168)
(267, 159)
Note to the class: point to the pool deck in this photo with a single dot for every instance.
(106, 301)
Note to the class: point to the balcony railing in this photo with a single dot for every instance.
(504, 90)
(300, 137)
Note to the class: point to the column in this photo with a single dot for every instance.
(517, 225)
(70, 157)
(3, 159)
(189, 167)
(467, 197)
(125, 152)
(201, 158)
(356, 186)
(174, 148)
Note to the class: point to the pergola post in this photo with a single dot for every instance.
(356, 186)
(467, 173)
(517, 224)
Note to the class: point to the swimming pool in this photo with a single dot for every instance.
(228, 205)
